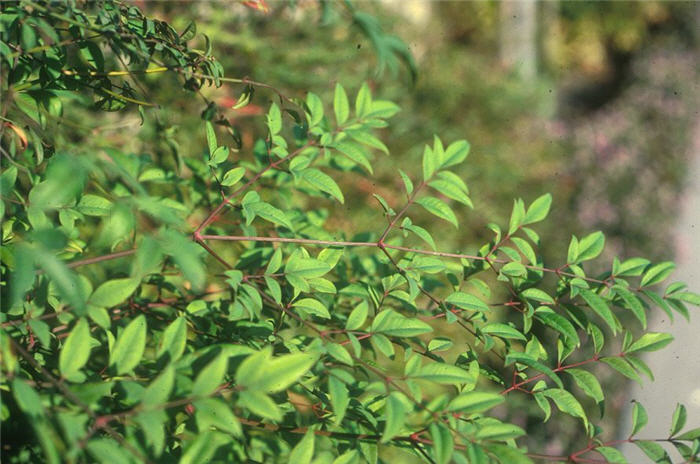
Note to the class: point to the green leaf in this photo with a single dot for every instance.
(312, 306)
(503, 330)
(340, 397)
(639, 418)
(408, 184)
(567, 403)
(422, 234)
(232, 176)
(560, 324)
(341, 107)
(113, 292)
(261, 372)
(529, 361)
(499, 432)
(203, 447)
(538, 210)
(219, 156)
(357, 317)
(537, 295)
(450, 190)
(174, 339)
(443, 442)
(395, 414)
(474, 402)
(655, 451)
(130, 345)
(211, 138)
(657, 273)
(339, 353)
(590, 246)
(27, 399)
(588, 383)
(303, 452)
(267, 212)
(391, 323)
(438, 208)
(260, 404)
(611, 455)
(323, 182)
(75, 351)
(106, 451)
(600, 307)
(466, 301)
(621, 366)
(211, 376)
(363, 101)
(444, 374)
(455, 153)
(355, 153)
(692, 434)
(679, 417)
(315, 106)
(632, 303)
(159, 390)
(651, 341)
(94, 205)
(274, 119)
(212, 412)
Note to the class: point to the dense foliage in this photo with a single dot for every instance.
(195, 307)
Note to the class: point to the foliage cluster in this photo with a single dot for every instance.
(199, 309)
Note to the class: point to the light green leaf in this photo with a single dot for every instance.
(621, 366)
(601, 308)
(651, 341)
(303, 452)
(211, 137)
(444, 374)
(76, 350)
(679, 417)
(503, 331)
(260, 404)
(274, 119)
(323, 182)
(212, 412)
(113, 292)
(130, 345)
(567, 403)
(438, 208)
(341, 107)
(466, 301)
(639, 418)
(500, 432)
(443, 442)
(211, 376)
(538, 210)
(94, 205)
(391, 323)
(657, 273)
(529, 361)
(395, 414)
(174, 339)
(355, 153)
(474, 402)
(588, 383)
(232, 176)
(312, 306)
(537, 295)
(340, 397)
(363, 101)
(159, 390)
(357, 317)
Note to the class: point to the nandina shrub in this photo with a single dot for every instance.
(197, 309)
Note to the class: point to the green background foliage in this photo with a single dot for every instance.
(205, 268)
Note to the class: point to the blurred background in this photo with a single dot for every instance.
(596, 103)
